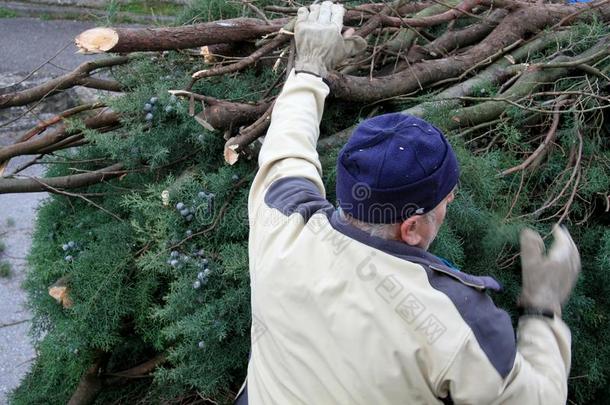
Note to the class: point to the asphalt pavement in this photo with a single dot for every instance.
(25, 45)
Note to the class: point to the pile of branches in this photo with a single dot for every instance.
(442, 54)
(404, 58)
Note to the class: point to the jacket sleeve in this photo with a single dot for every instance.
(289, 147)
(538, 376)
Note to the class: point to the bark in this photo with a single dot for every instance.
(90, 384)
(138, 371)
(449, 98)
(531, 80)
(225, 115)
(34, 146)
(79, 76)
(245, 62)
(403, 40)
(513, 28)
(495, 73)
(101, 84)
(429, 21)
(43, 125)
(359, 12)
(35, 185)
(246, 136)
(452, 40)
(123, 40)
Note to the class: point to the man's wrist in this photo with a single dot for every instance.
(297, 71)
(312, 74)
(525, 310)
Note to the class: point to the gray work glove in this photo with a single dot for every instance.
(319, 44)
(548, 279)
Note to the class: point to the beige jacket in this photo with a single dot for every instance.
(340, 317)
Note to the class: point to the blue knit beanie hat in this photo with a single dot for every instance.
(393, 166)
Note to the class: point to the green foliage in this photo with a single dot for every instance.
(7, 13)
(137, 270)
(5, 270)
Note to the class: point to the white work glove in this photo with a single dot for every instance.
(319, 44)
(548, 279)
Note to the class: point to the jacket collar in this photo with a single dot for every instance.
(412, 254)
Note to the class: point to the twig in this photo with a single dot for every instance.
(39, 67)
(59, 117)
(256, 10)
(485, 61)
(575, 171)
(516, 198)
(256, 55)
(6, 325)
(539, 152)
(572, 63)
(24, 166)
(477, 127)
(68, 194)
(74, 78)
(246, 136)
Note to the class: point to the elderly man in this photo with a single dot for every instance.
(348, 306)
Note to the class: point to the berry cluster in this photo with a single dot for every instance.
(186, 212)
(204, 271)
(198, 258)
(149, 107)
(69, 247)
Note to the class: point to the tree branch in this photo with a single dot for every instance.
(66, 81)
(124, 40)
(35, 185)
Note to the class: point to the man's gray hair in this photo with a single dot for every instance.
(383, 231)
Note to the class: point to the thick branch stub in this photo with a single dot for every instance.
(97, 40)
(123, 40)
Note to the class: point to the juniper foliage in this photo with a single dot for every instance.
(147, 280)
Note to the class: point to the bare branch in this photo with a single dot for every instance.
(35, 185)
(74, 78)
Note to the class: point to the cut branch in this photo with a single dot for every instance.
(35, 185)
(245, 62)
(123, 40)
(224, 115)
(246, 136)
(35, 146)
(43, 125)
(456, 12)
(527, 83)
(512, 29)
(452, 40)
(77, 77)
(90, 384)
(139, 371)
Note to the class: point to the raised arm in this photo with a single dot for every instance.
(289, 148)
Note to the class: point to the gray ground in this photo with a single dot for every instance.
(25, 44)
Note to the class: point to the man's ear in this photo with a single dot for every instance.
(409, 230)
